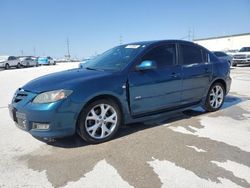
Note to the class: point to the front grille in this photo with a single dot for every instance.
(19, 96)
(240, 56)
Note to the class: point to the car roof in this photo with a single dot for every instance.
(159, 41)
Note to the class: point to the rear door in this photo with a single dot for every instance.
(196, 73)
(158, 89)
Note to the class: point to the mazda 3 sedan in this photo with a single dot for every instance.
(126, 84)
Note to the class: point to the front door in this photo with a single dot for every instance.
(157, 89)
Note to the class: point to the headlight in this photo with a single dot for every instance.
(52, 96)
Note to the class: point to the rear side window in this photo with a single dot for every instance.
(163, 55)
(190, 54)
(212, 57)
(220, 54)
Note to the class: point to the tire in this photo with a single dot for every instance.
(99, 121)
(18, 66)
(215, 97)
(7, 66)
(234, 65)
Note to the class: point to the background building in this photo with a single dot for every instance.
(225, 43)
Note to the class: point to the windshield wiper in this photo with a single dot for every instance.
(89, 68)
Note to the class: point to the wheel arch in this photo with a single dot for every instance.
(105, 96)
(223, 82)
(219, 80)
(99, 97)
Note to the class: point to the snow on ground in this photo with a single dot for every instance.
(224, 129)
(239, 170)
(173, 176)
(103, 175)
(196, 149)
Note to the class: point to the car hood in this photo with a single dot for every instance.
(63, 80)
(2, 60)
(242, 53)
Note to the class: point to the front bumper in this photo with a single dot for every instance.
(2, 65)
(61, 116)
(241, 61)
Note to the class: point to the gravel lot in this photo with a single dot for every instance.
(190, 149)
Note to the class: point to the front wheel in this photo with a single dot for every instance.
(7, 66)
(99, 121)
(215, 97)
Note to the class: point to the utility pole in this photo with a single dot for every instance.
(193, 34)
(67, 43)
(22, 52)
(34, 50)
(189, 34)
(120, 40)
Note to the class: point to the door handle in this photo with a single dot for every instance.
(206, 70)
(174, 75)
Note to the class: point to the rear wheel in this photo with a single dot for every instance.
(215, 97)
(99, 121)
(18, 66)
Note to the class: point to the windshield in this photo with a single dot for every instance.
(115, 59)
(245, 49)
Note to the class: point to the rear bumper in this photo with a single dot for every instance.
(228, 84)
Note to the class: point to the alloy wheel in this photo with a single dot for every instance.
(216, 96)
(101, 121)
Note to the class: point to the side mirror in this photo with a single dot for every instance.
(146, 65)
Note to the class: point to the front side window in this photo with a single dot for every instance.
(163, 55)
(190, 54)
(12, 58)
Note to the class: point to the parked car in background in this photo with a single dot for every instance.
(223, 55)
(231, 52)
(7, 62)
(46, 61)
(127, 84)
(28, 61)
(242, 57)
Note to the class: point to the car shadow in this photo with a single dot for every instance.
(75, 140)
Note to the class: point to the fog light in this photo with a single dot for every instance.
(42, 126)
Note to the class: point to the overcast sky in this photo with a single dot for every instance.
(93, 26)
